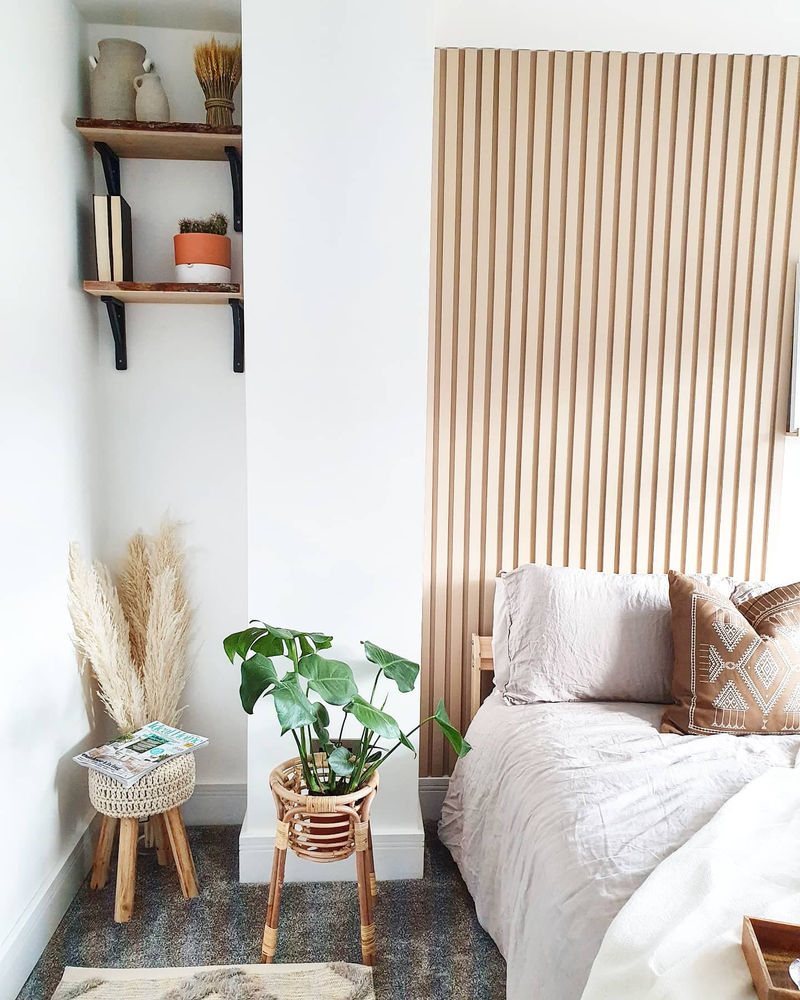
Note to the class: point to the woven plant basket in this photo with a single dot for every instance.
(320, 827)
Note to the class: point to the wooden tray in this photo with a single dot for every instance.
(769, 947)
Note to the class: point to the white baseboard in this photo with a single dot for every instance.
(397, 856)
(21, 949)
(219, 804)
(431, 796)
(216, 804)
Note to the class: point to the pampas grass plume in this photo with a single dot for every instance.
(135, 595)
(135, 636)
(102, 640)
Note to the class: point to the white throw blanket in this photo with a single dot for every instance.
(679, 935)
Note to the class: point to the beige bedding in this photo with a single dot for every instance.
(562, 810)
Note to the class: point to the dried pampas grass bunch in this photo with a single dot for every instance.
(135, 636)
(102, 640)
(219, 70)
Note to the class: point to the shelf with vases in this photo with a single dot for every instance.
(115, 139)
(116, 294)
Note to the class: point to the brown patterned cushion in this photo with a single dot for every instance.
(737, 668)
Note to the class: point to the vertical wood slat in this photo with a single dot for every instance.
(611, 312)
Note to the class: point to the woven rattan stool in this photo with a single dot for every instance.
(321, 828)
(158, 797)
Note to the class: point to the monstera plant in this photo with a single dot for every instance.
(313, 687)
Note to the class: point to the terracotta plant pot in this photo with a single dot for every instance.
(202, 257)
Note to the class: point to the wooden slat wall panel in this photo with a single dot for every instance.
(611, 312)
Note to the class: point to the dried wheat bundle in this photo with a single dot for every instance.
(102, 640)
(219, 70)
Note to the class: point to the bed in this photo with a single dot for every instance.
(563, 810)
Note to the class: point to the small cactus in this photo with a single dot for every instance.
(216, 224)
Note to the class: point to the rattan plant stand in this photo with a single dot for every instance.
(158, 797)
(321, 828)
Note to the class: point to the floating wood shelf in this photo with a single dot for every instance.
(115, 294)
(162, 140)
(165, 141)
(165, 292)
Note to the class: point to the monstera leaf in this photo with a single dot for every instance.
(269, 645)
(321, 724)
(239, 643)
(331, 679)
(453, 736)
(269, 640)
(374, 719)
(258, 674)
(292, 707)
(398, 669)
(341, 762)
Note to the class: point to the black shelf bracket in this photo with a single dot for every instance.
(116, 317)
(110, 162)
(235, 161)
(237, 308)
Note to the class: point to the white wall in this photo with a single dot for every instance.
(772, 26)
(48, 418)
(338, 112)
(173, 427)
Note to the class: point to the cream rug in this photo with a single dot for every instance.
(333, 981)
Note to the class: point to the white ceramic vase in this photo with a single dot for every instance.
(111, 90)
(151, 100)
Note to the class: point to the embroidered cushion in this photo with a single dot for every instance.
(737, 667)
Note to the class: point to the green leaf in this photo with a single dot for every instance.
(321, 725)
(372, 757)
(240, 642)
(331, 679)
(268, 645)
(279, 641)
(286, 634)
(407, 743)
(453, 736)
(292, 707)
(320, 641)
(258, 674)
(398, 669)
(321, 712)
(374, 719)
(341, 762)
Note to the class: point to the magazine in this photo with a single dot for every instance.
(130, 758)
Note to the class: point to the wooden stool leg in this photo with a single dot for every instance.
(373, 882)
(270, 939)
(364, 894)
(182, 853)
(102, 853)
(161, 838)
(126, 870)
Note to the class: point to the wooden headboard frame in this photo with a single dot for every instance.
(482, 671)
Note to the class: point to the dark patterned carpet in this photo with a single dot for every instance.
(430, 945)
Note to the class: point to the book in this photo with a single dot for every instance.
(102, 237)
(121, 241)
(132, 757)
